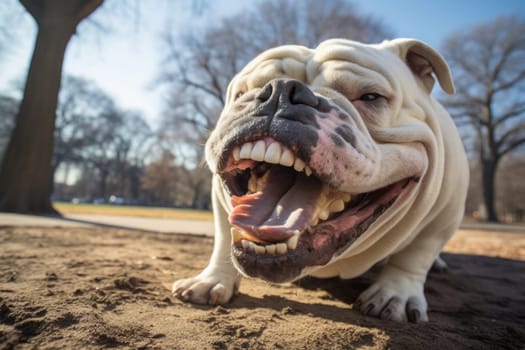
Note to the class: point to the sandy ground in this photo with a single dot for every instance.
(87, 288)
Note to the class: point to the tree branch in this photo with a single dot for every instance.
(514, 111)
(509, 84)
(508, 135)
(507, 52)
(205, 65)
(203, 113)
(512, 146)
(86, 8)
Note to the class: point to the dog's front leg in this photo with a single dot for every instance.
(398, 292)
(217, 283)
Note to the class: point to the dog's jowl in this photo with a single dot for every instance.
(327, 161)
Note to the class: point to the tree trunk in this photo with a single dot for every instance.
(25, 178)
(103, 184)
(25, 174)
(489, 183)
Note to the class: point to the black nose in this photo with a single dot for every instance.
(287, 92)
(286, 99)
(288, 111)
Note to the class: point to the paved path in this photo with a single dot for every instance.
(129, 222)
(169, 225)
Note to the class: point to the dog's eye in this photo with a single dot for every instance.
(370, 97)
(238, 95)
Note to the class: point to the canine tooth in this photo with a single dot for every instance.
(236, 234)
(298, 165)
(253, 184)
(270, 249)
(292, 242)
(337, 205)
(245, 244)
(314, 221)
(258, 151)
(281, 248)
(323, 215)
(236, 153)
(287, 158)
(261, 181)
(308, 171)
(273, 153)
(246, 151)
(347, 197)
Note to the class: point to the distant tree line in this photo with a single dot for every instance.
(107, 151)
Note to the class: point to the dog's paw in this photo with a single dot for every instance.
(397, 297)
(209, 287)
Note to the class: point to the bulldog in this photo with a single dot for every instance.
(329, 161)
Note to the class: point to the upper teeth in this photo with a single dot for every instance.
(273, 153)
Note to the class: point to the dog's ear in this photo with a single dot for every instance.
(423, 60)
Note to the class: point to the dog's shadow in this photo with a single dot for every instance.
(345, 290)
(473, 286)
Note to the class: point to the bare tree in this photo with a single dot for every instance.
(131, 143)
(80, 107)
(25, 175)
(89, 124)
(113, 152)
(200, 64)
(160, 179)
(488, 64)
(199, 187)
(511, 187)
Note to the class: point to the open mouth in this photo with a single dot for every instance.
(285, 218)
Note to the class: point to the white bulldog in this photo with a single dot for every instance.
(329, 161)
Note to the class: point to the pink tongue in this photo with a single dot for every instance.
(284, 206)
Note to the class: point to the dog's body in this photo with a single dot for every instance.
(329, 161)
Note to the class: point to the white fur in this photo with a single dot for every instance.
(413, 125)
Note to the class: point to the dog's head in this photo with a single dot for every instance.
(319, 148)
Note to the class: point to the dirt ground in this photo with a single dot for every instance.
(104, 288)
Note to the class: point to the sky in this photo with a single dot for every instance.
(120, 48)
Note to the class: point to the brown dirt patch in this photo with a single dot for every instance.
(102, 288)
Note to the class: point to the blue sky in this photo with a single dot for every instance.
(126, 61)
(432, 21)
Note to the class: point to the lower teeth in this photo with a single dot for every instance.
(272, 249)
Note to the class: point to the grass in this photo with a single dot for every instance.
(124, 210)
